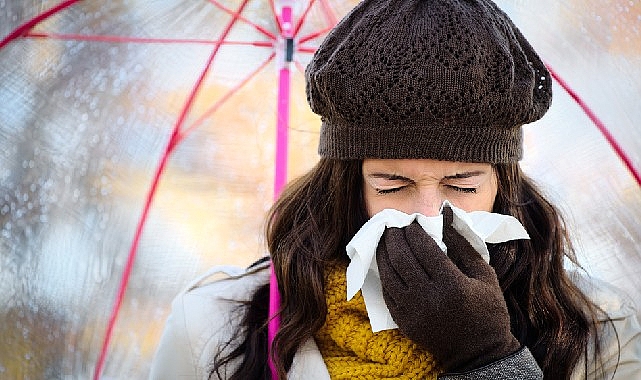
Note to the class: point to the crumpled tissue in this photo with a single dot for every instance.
(478, 227)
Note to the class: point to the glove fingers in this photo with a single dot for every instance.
(393, 283)
(448, 215)
(433, 261)
(466, 258)
(390, 300)
(390, 278)
(401, 256)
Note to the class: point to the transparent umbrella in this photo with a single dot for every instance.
(587, 149)
(100, 102)
(114, 113)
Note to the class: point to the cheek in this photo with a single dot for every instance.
(485, 200)
(481, 203)
(375, 203)
(372, 204)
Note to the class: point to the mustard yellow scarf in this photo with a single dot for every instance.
(352, 351)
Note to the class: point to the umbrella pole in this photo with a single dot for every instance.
(280, 175)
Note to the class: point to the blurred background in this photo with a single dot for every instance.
(89, 98)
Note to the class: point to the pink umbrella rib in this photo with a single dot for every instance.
(276, 18)
(306, 49)
(142, 40)
(264, 31)
(225, 97)
(173, 141)
(599, 124)
(27, 26)
(330, 17)
(302, 18)
(311, 36)
(300, 67)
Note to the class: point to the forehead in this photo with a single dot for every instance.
(423, 166)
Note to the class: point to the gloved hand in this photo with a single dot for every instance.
(451, 304)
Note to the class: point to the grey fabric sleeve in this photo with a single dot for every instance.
(520, 365)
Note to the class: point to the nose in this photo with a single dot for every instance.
(428, 202)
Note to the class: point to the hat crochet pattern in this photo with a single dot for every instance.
(442, 79)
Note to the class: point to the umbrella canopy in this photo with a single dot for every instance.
(586, 151)
(99, 101)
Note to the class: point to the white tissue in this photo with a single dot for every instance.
(478, 227)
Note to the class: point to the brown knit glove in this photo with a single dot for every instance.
(451, 304)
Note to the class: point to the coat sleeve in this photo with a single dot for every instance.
(622, 349)
(202, 322)
(174, 358)
(520, 365)
(620, 343)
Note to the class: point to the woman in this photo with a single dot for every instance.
(421, 102)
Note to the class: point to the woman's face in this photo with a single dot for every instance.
(421, 185)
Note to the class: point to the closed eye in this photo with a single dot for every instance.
(468, 190)
(389, 191)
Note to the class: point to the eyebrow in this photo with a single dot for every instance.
(391, 177)
(396, 177)
(465, 174)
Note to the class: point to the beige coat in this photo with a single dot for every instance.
(202, 319)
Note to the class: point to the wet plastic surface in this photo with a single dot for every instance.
(84, 122)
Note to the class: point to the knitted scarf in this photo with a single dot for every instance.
(352, 351)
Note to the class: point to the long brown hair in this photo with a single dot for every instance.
(316, 216)
(549, 314)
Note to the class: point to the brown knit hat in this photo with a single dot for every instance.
(444, 79)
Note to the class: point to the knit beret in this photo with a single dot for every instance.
(442, 79)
